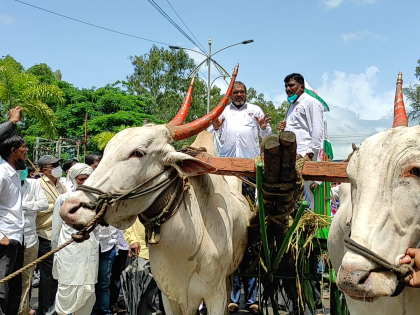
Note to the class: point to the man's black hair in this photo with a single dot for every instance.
(93, 157)
(67, 164)
(14, 141)
(30, 169)
(295, 76)
(239, 82)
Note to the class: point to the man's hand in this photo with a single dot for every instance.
(282, 126)
(134, 250)
(14, 114)
(308, 156)
(409, 255)
(4, 241)
(263, 122)
(218, 123)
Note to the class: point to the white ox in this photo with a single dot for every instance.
(204, 241)
(383, 203)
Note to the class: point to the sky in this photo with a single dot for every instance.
(350, 51)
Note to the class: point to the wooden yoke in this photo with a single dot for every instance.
(320, 171)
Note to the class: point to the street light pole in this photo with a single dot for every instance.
(209, 60)
(208, 77)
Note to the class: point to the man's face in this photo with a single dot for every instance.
(95, 164)
(238, 95)
(293, 87)
(20, 155)
(47, 168)
(80, 180)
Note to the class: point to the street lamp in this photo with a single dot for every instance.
(209, 59)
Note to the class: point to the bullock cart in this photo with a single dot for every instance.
(283, 241)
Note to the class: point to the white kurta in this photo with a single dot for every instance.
(33, 200)
(75, 267)
(305, 120)
(239, 134)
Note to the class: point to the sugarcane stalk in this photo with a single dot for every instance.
(259, 173)
(283, 246)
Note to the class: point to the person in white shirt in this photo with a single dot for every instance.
(13, 150)
(238, 128)
(108, 239)
(75, 266)
(33, 200)
(237, 132)
(304, 117)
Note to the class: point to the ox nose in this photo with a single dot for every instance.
(359, 279)
(69, 212)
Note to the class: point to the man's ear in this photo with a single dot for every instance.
(187, 165)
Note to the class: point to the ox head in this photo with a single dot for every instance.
(138, 155)
(385, 184)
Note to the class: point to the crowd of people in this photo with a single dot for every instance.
(84, 278)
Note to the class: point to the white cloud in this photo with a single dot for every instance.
(7, 19)
(360, 35)
(332, 4)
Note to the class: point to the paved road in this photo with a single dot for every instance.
(242, 311)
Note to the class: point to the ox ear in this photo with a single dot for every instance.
(187, 165)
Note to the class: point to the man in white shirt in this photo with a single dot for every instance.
(33, 200)
(240, 125)
(237, 131)
(304, 117)
(53, 185)
(75, 266)
(108, 238)
(14, 152)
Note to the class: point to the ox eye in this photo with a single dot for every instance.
(415, 171)
(138, 154)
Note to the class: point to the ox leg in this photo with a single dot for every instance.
(171, 307)
(217, 304)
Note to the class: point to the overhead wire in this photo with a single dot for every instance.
(169, 19)
(173, 9)
(91, 24)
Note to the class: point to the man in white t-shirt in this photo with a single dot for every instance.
(33, 200)
(14, 152)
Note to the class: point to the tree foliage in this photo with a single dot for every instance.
(412, 94)
(154, 92)
(20, 88)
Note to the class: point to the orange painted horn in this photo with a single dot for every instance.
(195, 127)
(400, 116)
(183, 112)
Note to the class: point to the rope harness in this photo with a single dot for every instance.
(403, 272)
(100, 206)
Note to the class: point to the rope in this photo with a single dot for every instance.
(246, 181)
(402, 272)
(78, 238)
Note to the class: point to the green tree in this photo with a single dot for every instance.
(164, 75)
(20, 88)
(412, 94)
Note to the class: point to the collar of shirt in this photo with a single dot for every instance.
(10, 170)
(243, 107)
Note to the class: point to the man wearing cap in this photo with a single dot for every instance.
(53, 185)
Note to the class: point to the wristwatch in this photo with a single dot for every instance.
(310, 155)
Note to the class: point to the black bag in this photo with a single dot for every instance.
(139, 288)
